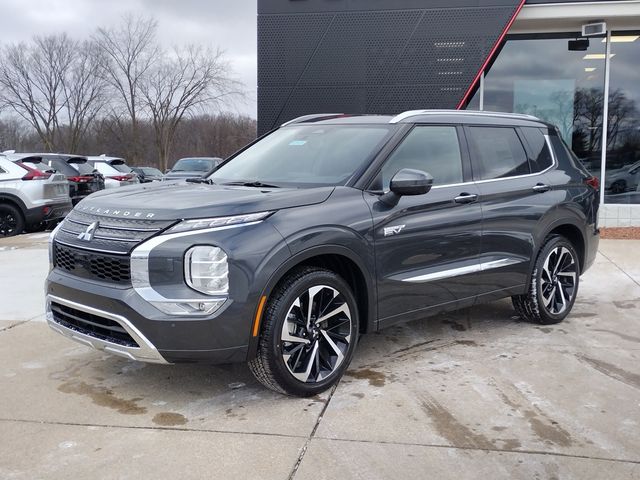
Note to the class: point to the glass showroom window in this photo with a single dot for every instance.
(622, 178)
(542, 76)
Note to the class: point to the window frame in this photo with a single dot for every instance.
(462, 145)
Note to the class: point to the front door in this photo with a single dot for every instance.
(426, 246)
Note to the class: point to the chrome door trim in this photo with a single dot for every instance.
(455, 272)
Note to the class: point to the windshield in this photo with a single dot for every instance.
(306, 155)
(194, 165)
(151, 171)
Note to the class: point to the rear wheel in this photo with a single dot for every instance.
(11, 220)
(554, 283)
(310, 331)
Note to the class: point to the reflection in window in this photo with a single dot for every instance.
(622, 179)
(540, 76)
(431, 149)
(498, 152)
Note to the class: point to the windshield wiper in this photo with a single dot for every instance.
(199, 180)
(254, 183)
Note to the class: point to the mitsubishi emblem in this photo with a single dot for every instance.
(88, 234)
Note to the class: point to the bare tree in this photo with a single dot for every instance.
(130, 50)
(31, 81)
(84, 92)
(182, 83)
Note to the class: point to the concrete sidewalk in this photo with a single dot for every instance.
(467, 395)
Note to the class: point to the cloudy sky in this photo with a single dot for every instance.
(227, 24)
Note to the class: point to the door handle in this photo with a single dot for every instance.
(541, 188)
(465, 197)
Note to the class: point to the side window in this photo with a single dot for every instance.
(432, 149)
(497, 153)
(541, 155)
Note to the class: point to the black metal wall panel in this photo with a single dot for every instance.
(371, 56)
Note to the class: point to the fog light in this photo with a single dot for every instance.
(206, 270)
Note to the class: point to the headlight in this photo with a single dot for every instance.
(206, 270)
(188, 225)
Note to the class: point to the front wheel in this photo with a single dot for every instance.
(310, 331)
(554, 284)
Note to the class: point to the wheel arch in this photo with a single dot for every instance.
(14, 200)
(341, 260)
(570, 227)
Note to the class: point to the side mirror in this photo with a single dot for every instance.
(407, 182)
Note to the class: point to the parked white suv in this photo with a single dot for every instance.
(29, 197)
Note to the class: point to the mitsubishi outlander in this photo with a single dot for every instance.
(327, 228)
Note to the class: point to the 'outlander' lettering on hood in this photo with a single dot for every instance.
(115, 212)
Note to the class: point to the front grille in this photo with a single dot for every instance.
(92, 325)
(113, 235)
(92, 265)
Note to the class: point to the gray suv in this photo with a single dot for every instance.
(327, 228)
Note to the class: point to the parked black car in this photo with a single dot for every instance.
(192, 167)
(82, 177)
(326, 228)
(148, 174)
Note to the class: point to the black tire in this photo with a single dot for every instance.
(554, 283)
(277, 359)
(11, 220)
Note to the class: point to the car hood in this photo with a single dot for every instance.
(180, 200)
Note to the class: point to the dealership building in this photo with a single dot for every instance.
(575, 64)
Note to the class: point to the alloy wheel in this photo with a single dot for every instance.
(8, 224)
(316, 334)
(558, 280)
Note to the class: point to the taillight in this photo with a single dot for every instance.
(33, 173)
(80, 179)
(120, 178)
(593, 182)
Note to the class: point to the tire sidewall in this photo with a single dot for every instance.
(280, 310)
(551, 245)
(7, 208)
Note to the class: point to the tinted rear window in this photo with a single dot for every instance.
(541, 156)
(498, 153)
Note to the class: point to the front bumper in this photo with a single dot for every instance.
(145, 351)
(220, 338)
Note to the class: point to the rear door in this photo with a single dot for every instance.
(427, 245)
(509, 167)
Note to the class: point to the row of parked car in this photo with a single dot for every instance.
(39, 189)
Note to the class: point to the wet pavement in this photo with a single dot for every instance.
(464, 395)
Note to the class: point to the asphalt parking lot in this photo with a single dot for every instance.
(467, 395)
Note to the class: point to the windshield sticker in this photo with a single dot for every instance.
(297, 143)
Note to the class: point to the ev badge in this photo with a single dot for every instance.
(396, 229)
(88, 234)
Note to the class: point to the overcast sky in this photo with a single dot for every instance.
(227, 24)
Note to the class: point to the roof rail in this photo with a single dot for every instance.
(315, 116)
(414, 113)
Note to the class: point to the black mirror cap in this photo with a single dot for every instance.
(411, 182)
